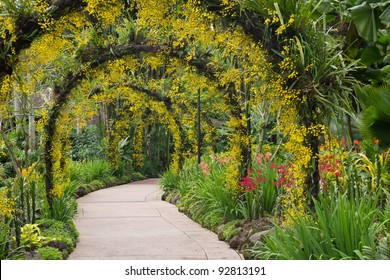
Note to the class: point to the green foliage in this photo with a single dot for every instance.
(87, 145)
(339, 229)
(204, 197)
(63, 209)
(367, 18)
(89, 171)
(5, 239)
(31, 237)
(169, 180)
(60, 232)
(376, 117)
(262, 189)
(229, 230)
(50, 253)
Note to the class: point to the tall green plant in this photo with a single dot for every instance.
(339, 229)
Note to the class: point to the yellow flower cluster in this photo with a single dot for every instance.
(153, 13)
(6, 204)
(7, 28)
(5, 89)
(106, 11)
(273, 17)
(233, 177)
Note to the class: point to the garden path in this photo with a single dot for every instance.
(132, 222)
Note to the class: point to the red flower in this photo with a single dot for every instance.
(248, 183)
(280, 181)
(261, 180)
(338, 174)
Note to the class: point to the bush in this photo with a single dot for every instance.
(59, 232)
(50, 253)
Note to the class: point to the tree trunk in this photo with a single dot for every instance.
(18, 110)
(31, 125)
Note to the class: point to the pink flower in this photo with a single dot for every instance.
(205, 168)
(259, 158)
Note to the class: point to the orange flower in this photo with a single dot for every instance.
(205, 168)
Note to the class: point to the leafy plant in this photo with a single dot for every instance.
(63, 209)
(64, 234)
(31, 237)
(375, 121)
(339, 229)
(87, 145)
(50, 253)
(262, 186)
(5, 239)
(169, 180)
(88, 171)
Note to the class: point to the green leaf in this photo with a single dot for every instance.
(386, 69)
(371, 56)
(385, 16)
(325, 7)
(384, 40)
(366, 21)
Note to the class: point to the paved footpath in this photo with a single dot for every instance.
(130, 222)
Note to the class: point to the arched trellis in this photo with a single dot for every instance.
(97, 57)
(152, 103)
(62, 94)
(238, 57)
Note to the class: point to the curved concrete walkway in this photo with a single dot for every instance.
(131, 222)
